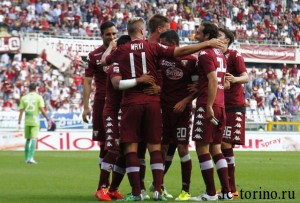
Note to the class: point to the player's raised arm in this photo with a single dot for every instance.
(190, 49)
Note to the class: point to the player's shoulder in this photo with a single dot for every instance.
(234, 53)
(113, 69)
(189, 57)
(97, 51)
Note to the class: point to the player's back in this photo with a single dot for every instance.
(136, 58)
(211, 60)
(31, 103)
(235, 66)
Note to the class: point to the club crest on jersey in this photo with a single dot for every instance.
(105, 68)
(218, 51)
(174, 73)
(184, 62)
(116, 70)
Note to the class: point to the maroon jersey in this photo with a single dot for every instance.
(176, 74)
(235, 66)
(136, 58)
(113, 96)
(97, 71)
(211, 60)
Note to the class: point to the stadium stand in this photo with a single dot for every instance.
(272, 94)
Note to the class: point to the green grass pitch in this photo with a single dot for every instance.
(72, 176)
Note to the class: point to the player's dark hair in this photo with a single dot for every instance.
(157, 20)
(170, 36)
(105, 25)
(211, 29)
(228, 34)
(32, 87)
(123, 39)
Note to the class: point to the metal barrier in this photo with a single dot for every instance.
(280, 124)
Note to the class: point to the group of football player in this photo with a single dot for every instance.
(143, 100)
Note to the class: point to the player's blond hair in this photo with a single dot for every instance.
(135, 24)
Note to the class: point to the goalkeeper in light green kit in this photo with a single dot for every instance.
(32, 103)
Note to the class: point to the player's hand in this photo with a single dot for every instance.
(152, 90)
(193, 88)
(217, 43)
(179, 107)
(146, 78)
(86, 115)
(113, 44)
(18, 127)
(226, 85)
(83, 64)
(49, 122)
(229, 77)
(210, 115)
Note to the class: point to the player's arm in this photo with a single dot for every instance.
(181, 105)
(242, 79)
(42, 109)
(120, 84)
(87, 84)
(110, 48)
(20, 116)
(190, 49)
(212, 92)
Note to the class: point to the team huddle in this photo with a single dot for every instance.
(143, 100)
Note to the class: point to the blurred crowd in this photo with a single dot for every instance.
(273, 92)
(263, 21)
(61, 87)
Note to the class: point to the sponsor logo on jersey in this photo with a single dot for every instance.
(221, 87)
(174, 73)
(238, 125)
(200, 109)
(202, 53)
(237, 131)
(109, 118)
(238, 119)
(237, 138)
(198, 130)
(109, 124)
(184, 62)
(109, 137)
(199, 123)
(198, 136)
(200, 116)
(168, 63)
